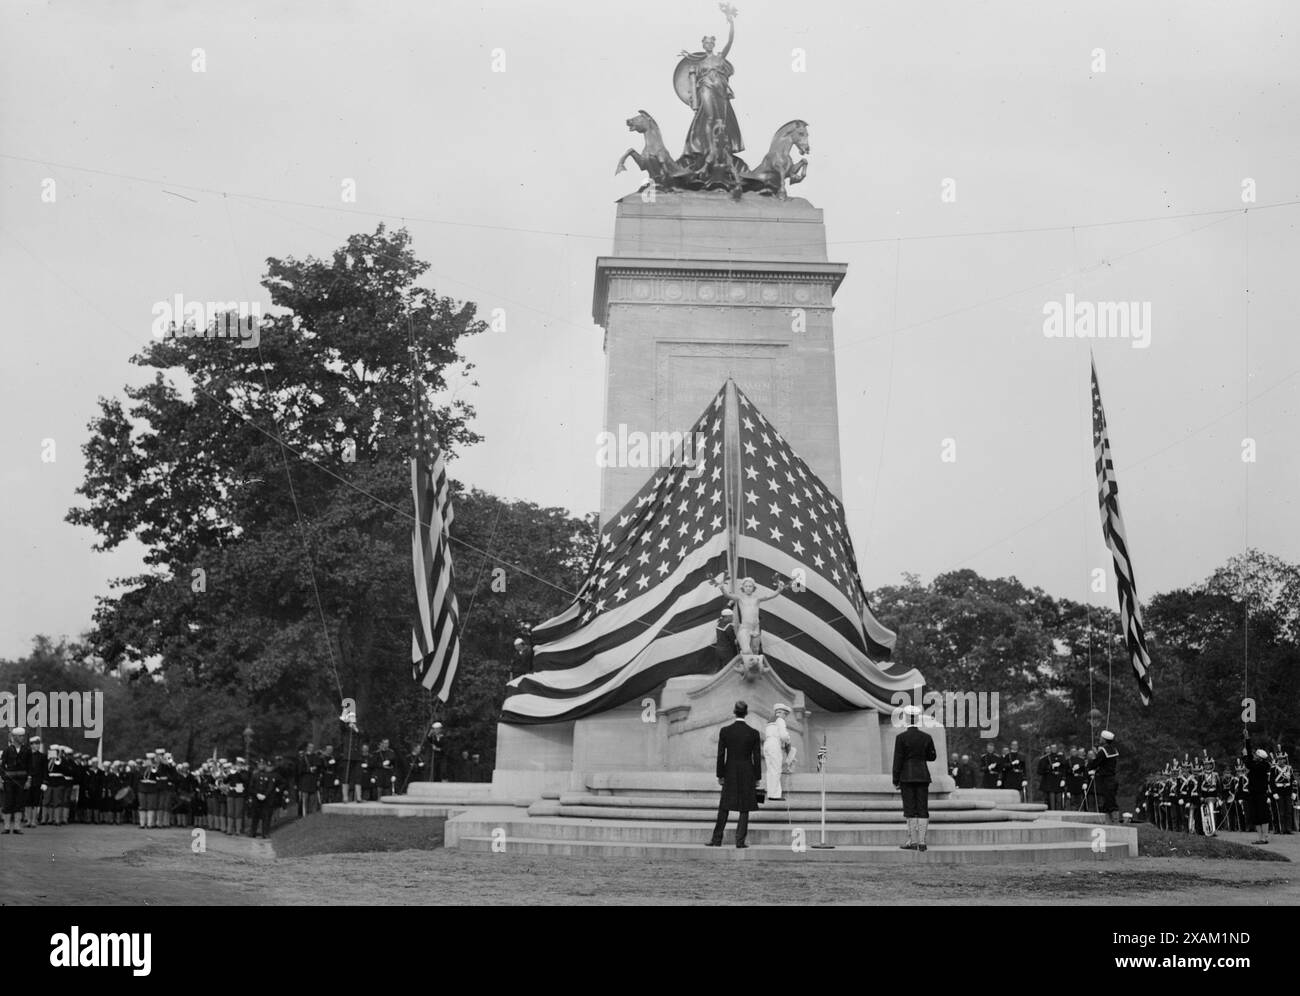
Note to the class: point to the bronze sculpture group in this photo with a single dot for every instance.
(710, 159)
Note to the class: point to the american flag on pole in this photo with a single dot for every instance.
(435, 635)
(1112, 529)
(647, 611)
(822, 754)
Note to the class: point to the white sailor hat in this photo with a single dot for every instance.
(18, 731)
(519, 641)
(911, 710)
(150, 753)
(1107, 735)
(728, 612)
(1262, 754)
(781, 707)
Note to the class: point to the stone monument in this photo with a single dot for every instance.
(716, 276)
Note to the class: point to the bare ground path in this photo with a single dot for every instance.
(91, 865)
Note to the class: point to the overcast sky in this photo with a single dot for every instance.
(1102, 184)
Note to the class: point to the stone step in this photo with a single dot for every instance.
(390, 809)
(1036, 853)
(794, 801)
(769, 815)
(658, 782)
(647, 832)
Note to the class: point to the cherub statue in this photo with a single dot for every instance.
(747, 600)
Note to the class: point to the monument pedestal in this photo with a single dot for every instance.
(674, 736)
(700, 288)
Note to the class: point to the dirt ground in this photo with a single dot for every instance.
(79, 865)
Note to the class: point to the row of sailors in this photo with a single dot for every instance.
(1192, 796)
(54, 785)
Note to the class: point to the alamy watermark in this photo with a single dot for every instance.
(53, 711)
(1100, 320)
(954, 710)
(181, 319)
(648, 450)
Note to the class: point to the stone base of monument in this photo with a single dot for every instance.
(673, 735)
(639, 781)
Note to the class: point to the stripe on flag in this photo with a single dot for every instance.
(435, 635)
(1112, 529)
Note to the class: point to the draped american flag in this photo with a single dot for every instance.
(435, 635)
(1112, 529)
(647, 610)
(821, 637)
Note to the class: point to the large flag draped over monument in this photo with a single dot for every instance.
(435, 635)
(646, 611)
(1112, 528)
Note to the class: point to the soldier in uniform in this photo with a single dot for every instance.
(58, 776)
(1257, 776)
(15, 772)
(1209, 790)
(237, 786)
(1076, 779)
(307, 779)
(416, 768)
(1280, 788)
(437, 744)
(725, 646)
(967, 775)
(1050, 770)
(1013, 769)
(39, 764)
(1105, 772)
(166, 788)
(991, 768)
(147, 791)
(388, 773)
(330, 782)
(264, 794)
(913, 748)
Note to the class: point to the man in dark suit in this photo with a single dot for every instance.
(912, 750)
(739, 766)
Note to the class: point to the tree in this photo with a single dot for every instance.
(270, 489)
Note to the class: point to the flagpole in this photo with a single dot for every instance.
(823, 755)
(730, 484)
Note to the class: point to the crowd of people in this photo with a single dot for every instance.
(53, 785)
(1194, 796)
(1075, 778)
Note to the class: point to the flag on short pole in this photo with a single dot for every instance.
(1112, 529)
(435, 635)
(821, 754)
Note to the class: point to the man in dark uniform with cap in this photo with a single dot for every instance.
(913, 749)
(1051, 767)
(991, 768)
(1106, 772)
(725, 646)
(740, 764)
(1076, 777)
(1013, 769)
(15, 772)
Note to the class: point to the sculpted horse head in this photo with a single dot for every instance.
(791, 133)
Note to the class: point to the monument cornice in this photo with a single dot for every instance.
(659, 271)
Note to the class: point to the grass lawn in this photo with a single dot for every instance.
(1154, 843)
(356, 835)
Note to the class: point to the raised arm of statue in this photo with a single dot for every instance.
(730, 11)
